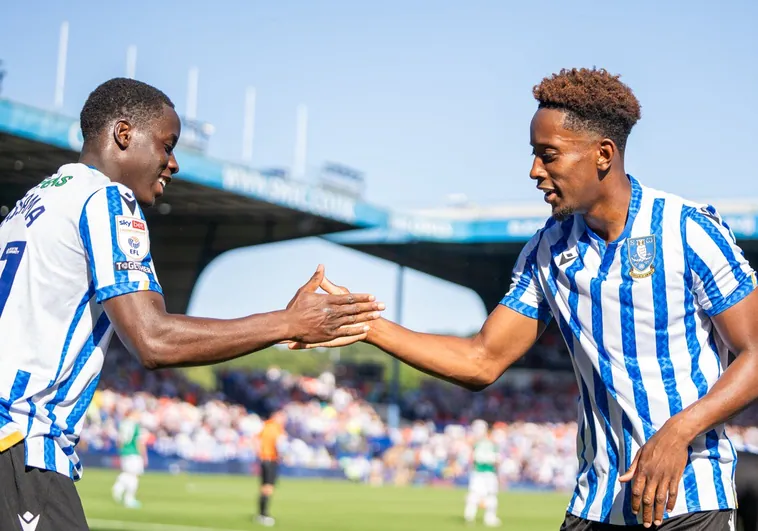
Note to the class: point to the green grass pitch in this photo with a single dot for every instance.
(225, 503)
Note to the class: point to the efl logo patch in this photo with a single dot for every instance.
(641, 256)
(131, 235)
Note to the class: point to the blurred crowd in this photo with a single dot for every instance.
(337, 427)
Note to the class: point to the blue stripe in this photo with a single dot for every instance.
(592, 480)
(716, 298)
(690, 324)
(629, 517)
(604, 380)
(629, 346)
(17, 391)
(724, 246)
(582, 462)
(32, 414)
(734, 458)
(64, 386)
(700, 268)
(83, 304)
(516, 305)
(712, 445)
(601, 400)
(691, 494)
(77, 412)
(115, 290)
(527, 272)
(115, 208)
(556, 249)
(583, 245)
(584, 419)
(660, 308)
(570, 331)
(49, 453)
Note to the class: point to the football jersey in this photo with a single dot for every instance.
(485, 456)
(72, 242)
(636, 316)
(128, 436)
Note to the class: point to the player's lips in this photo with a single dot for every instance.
(550, 193)
(163, 180)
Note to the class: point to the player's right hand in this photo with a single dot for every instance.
(316, 318)
(332, 289)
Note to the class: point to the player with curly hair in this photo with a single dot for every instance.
(650, 292)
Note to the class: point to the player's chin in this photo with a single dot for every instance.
(147, 200)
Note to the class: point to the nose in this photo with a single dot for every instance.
(173, 166)
(538, 169)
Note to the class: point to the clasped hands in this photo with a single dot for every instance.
(334, 319)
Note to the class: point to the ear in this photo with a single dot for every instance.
(605, 153)
(122, 134)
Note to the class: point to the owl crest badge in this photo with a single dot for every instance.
(641, 256)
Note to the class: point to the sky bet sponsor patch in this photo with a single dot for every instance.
(133, 266)
(131, 235)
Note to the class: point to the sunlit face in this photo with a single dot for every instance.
(565, 164)
(149, 163)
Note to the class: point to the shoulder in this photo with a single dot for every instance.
(677, 203)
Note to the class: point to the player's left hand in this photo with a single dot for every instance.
(656, 472)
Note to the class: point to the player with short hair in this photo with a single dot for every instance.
(483, 483)
(75, 265)
(272, 436)
(649, 290)
(133, 459)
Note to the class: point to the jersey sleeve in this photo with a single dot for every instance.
(117, 244)
(525, 295)
(720, 274)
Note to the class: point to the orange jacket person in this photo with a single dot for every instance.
(268, 454)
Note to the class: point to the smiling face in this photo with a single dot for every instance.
(147, 160)
(566, 163)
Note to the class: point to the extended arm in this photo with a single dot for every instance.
(474, 362)
(162, 340)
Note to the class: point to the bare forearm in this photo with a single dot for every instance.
(186, 341)
(462, 361)
(733, 391)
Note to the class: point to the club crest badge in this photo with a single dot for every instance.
(641, 256)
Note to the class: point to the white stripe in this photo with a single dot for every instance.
(129, 526)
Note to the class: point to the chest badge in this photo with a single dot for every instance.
(641, 256)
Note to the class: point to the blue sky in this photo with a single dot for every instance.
(427, 97)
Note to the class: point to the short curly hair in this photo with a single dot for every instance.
(593, 100)
(120, 98)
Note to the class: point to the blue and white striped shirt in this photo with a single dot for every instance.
(72, 242)
(636, 316)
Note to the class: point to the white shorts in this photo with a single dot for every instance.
(132, 464)
(483, 483)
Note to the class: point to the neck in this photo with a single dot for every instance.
(608, 215)
(98, 159)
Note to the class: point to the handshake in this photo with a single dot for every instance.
(334, 319)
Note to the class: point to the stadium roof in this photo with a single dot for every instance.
(211, 207)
